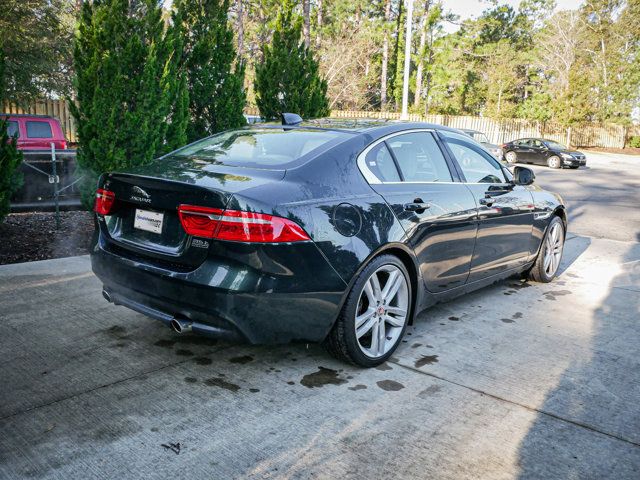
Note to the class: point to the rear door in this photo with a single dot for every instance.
(505, 210)
(437, 212)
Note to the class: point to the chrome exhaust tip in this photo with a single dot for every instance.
(106, 296)
(180, 326)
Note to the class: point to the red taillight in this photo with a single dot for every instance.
(237, 226)
(105, 201)
(199, 221)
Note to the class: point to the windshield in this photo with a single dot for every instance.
(260, 148)
(478, 136)
(555, 145)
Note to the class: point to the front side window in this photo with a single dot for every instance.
(419, 157)
(39, 130)
(477, 165)
(12, 129)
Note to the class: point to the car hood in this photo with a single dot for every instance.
(207, 173)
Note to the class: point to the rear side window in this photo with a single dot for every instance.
(12, 129)
(261, 148)
(39, 130)
(419, 158)
(381, 163)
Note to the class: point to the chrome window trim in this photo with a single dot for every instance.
(369, 175)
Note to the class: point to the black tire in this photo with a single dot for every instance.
(341, 341)
(538, 272)
(554, 162)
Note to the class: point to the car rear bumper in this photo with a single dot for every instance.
(252, 295)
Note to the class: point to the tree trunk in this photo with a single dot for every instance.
(240, 26)
(385, 56)
(306, 9)
(319, 29)
(421, 51)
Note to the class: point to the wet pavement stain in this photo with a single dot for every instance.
(358, 387)
(519, 285)
(324, 376)
(517, 315)
(431, 390)
(218, 382)
(190, 379)
(203, 361)
(165, 343)
(291, 383)
(184, 353)
(390, 385)
(116, 330)
(551, 295)
(454, 319)
(416, 345)
(384, 367)
(241, 360)
(254, 390)
(507, 320)
(426, 360)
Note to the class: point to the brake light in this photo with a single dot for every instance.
(199, 221)
(105, 201)
(239, 226)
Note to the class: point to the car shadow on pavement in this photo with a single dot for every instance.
(588, 425)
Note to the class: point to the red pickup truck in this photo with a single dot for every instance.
(35, 132)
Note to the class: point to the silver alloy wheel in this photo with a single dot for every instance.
(554, 244)
(382, 311)
(554, 162)
(511, 157)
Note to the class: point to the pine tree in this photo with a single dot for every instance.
(128, 88)
(10, 156)
(288, 79)
(216, 90)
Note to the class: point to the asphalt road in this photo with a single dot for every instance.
(519, 380)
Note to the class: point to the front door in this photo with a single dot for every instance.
(437, 213)
(505, 210)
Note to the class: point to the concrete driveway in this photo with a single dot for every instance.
(519, 380)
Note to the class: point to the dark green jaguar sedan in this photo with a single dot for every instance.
(319, 232)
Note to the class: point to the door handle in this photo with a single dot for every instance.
(417, 206)
(488, 201)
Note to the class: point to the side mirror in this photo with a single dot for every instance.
(523, 176)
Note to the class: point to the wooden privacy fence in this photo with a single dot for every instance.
(498, 131)
(504, 130)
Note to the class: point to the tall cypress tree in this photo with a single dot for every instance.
(215, 78)
(128, 88)
(288, 79)
(10, 156)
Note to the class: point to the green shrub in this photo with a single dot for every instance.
(10, 156)
(634, 142)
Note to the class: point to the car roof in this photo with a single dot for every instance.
(27, 115)
(372, 127)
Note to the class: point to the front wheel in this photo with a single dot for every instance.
(554, 162)
(375, 315)
(546, 266)
(511, 157)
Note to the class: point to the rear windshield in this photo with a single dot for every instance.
(39, 130)
(260, 148)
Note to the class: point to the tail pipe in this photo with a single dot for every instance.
(180, 326)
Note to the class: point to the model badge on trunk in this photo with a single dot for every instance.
(140, 195)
